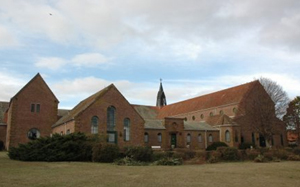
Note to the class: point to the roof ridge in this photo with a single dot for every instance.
(252, 82)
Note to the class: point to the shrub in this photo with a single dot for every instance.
(189, 154)
(229, 153)
(169, 162)
(269, 156)
(201, 154)
(105, 152)
(252, 154)
(214, 157)
(126, 161)
(294, 158)
(260, 158)
(1, 145)
(139, 153)
(159, 155)
(72, 147)
(296, 151)
(245, 146)
(215, 145)
(281, 154)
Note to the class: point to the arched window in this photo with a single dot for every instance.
(188, 138)
(199, 138)
(159, 137)
(111, 118)
(94, 125)
(210, 138)
(126, 129)
(33, 134)
(227, 136)
(146, 137)
(211, 114)
(221, 112)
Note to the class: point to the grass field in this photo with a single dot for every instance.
(16, 173)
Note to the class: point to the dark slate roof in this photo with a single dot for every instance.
(3, 108)
(69, 116)
(198, 126)
(223, 97)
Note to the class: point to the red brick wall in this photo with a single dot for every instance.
(248, 114)
(3, 133)
(196, 115)
(62, 129)
(21, 119)
(175, 126)
(123, 110)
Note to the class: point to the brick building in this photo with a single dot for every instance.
(31, 113)
(227, 115)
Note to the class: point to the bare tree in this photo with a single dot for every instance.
(292, 117)
(277, 94)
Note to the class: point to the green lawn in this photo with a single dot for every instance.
(16, 173)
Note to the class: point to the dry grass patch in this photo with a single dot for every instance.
(16, 173)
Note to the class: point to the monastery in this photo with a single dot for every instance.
(228, 115)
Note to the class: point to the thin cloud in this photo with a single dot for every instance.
(87, 60)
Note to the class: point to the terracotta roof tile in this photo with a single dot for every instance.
(223, 97)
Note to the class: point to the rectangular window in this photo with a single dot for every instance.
(112, 138)
(38, 107)
(32, 107)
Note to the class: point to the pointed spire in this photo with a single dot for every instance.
(161, 97)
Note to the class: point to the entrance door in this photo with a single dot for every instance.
(262, 141)
(173, 140)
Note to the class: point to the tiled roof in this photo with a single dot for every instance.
(82, 106)
(62, 112)
(154, 124)
(220, 120)
(223, 97)
(146, 112)
(202, 126)
(3, 107)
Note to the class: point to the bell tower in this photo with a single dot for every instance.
(161, 97)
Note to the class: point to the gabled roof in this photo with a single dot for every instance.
(82, 106)
(3, 108)
(228, 96)
(35, 78)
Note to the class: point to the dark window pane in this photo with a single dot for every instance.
(32, 107)
(38, 107)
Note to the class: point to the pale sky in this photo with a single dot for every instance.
(195, 46)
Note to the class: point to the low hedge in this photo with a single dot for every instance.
(72, 147)
(215, 145)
